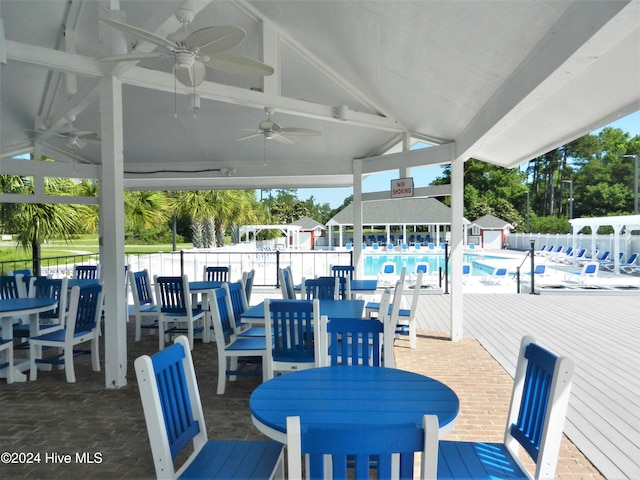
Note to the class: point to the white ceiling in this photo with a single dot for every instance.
(502, 81)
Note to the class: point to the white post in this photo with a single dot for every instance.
(112, 232)
(357, 218)
(457, 248)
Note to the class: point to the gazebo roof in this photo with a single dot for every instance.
(399, 211)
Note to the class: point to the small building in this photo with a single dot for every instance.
(310, 230)
(489, 231)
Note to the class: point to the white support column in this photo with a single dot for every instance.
(357, 218)
(457, 248)
(112, 233)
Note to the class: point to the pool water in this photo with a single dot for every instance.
(373, 263)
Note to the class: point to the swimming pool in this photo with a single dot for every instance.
(373, 263)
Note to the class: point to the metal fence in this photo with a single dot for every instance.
(192, 262)
(626, 243)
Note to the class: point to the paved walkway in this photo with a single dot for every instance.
(104, 434)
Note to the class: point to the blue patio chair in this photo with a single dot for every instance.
(390, 247)
(144, 305)
(387, 275)
(539, 270)
(6, 345)
(406, 324)
(176, 314)
(43, 287)
(239, 305)
(539, 401)
(345, 273)
(322, 288)
(247, 281)
(90, 272)
(175, 420)
(466, 272)
(82, 325)
(286, 283)
(8, 287)
(291, 332)
(417, 246)
(374, 245)
(348, 246)
(366, 451)
(216, 274)
(352, 341)
(235, 354)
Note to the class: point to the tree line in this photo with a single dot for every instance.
(596, 167)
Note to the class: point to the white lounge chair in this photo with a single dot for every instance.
(589, 272)
(630, 265)
(499, 275)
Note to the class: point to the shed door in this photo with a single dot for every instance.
(492, 239)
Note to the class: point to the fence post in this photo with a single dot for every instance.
(182, 263)
(277, 268)
(533, 267)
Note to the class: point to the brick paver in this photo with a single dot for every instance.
(104, 433)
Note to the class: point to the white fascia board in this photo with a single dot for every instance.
(38, 168)
(562, 52)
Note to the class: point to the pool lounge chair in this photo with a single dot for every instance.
(609, 265)
(388, 275)
(630, 266)
(499, 275)
(589, 272)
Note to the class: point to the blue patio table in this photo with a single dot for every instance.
(330, 308)
(351, 395)
(363, 287)
(22, 307)
(202, 285)
(81, 282)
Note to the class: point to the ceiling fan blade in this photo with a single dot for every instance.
(131, 56)
(247, 137)
(190, 76)
(238, 64)
(210, 40)
(140, 33)
(300, 132)
(82, 134)
(279, 137)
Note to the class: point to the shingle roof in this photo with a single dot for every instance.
(490, 222)
(308, 223)
(398, 211)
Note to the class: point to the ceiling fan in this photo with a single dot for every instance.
(193, 52)
(74, 138)
(274, 131)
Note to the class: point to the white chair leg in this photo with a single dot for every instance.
(95, 354)
(9, 368)
(138, 328)
(413, 337)
(222, 375)
(233, 367)
(33, 373)
(68, 365)
(161, 334)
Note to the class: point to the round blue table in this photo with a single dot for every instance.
(349, 395)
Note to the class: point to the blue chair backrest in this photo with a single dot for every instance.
(174, 397)
(322, 288)
(292, 323)
(237, 300)
(8, 287)
(632, 258)
(143, 287)
(86, 271)
(216, 274)
(50, 288)
(528, 429)
(248, 286)
(500, 272)
(361, 447)
(389, 268)
(354, 341)
(466, 269)
(342, 271)
(88, 305)
(540, 269)
(605, 256)
(416, 245)
(590, 268)
(226, 317)
(172, 297)
(422, 267)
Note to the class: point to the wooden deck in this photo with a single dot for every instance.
(600, 333)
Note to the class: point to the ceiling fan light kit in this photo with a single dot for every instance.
(206, 47)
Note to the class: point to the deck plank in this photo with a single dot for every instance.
(600, 333)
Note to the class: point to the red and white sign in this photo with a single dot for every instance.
(402, 187)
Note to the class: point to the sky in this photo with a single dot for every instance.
(422, 176)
